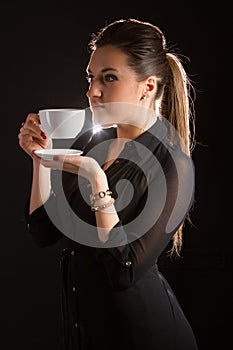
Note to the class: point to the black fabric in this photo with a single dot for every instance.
(113, 296)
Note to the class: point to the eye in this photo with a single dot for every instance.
(110, 77)
(89, 78)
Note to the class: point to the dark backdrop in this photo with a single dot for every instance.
(43, 61)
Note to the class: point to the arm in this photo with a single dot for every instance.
(40, 227)
(31, 138)
(150, 235)
(89, 169)
(41, 186)
(107, 218)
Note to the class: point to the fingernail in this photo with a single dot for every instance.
(43, 135)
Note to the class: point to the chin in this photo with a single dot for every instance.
(109, 125)
(105, 125)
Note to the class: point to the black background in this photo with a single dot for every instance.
(43, 62)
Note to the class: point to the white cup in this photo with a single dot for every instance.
(62, 123)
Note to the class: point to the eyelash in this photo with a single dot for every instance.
(110, 76)
(105, 78)
(89, 78)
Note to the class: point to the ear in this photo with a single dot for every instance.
(149, 87)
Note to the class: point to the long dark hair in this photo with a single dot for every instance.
(145, 47)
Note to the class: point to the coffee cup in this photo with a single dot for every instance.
(62, 123)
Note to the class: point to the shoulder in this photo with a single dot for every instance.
(173, 158)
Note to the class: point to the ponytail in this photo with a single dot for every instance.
(177, 103)
(177, 106)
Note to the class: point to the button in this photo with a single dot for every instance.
(29, 227)
(74, 288)
(128, 263)
(117, 161)
(76, 324)
(72, 252)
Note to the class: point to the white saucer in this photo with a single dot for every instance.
(48, 154)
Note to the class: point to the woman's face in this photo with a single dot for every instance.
(113, 89)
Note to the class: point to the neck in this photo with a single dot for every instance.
(129, 132)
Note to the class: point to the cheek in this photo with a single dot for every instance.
(125, 92)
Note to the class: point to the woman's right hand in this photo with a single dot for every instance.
(31, 137)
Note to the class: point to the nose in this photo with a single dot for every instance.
(94, 90)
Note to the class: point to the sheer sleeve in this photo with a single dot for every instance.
(151, 232)
(39, 225)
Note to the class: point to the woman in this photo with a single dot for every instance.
(128, 195)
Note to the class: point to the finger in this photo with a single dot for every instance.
(32, 133)
(26, 140)
(53, 164)
(60, 165)
(70, 160)
(32, 121)
(33, 117)
(28, 146)
(32, 125)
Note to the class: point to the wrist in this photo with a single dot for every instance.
(94, 197)
(102, 206)
(99, 182)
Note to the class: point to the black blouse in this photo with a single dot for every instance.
(113, 296)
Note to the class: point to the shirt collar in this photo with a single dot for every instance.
(150, 139)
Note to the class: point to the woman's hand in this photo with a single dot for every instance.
(83, 166)
(31, 137)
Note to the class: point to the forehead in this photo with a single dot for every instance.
(107, 56)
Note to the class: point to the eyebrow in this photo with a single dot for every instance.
(104, 70)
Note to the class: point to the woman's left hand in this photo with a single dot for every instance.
(80, 165)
